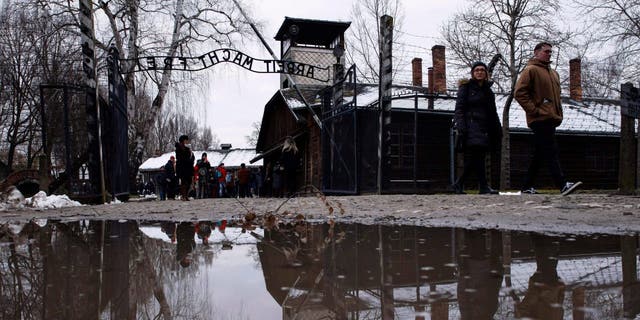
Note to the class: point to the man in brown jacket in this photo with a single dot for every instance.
(538, 92)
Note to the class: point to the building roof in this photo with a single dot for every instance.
(231, 159)
(310, 93)
(591, 116)
(314, 32)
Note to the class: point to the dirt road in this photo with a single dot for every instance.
(579, 213)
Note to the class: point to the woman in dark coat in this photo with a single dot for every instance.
(170, 177)
(184, 166)
(185, 234)
(289, 162)
(478, 126)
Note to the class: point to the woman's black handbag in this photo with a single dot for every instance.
(458, 140)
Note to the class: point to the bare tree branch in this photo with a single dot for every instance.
(364, 38)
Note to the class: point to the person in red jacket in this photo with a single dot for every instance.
(221, 173)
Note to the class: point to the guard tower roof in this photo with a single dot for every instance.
(313, 32)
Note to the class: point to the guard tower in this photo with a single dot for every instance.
(314, 42)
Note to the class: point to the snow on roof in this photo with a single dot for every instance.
(591, 116)
(239, 156)
(214, 157)
(310, 93)
(231, 158)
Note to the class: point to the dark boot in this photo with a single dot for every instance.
(458, 188)
(487, 190)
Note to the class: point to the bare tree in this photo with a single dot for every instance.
(20, 74)
(508, 27)
(34, 50)
(364, 37)
(207, 139)
(601, 73)
(252, 139)
(186, 125)
(162, 139)
(612, 44)
(603, 77)
(616, 24)
(171, 124)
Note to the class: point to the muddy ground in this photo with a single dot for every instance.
(578, 213)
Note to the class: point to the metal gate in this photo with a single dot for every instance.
(117, 160)
(339, 136)
(64, 137)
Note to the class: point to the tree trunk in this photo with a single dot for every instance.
(638, 157)
(142, 131)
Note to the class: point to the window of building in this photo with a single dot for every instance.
(402, 147)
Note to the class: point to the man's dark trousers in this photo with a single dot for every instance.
(545, 151)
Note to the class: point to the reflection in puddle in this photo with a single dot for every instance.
(298, 270)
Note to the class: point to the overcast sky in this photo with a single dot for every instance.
(237, 96)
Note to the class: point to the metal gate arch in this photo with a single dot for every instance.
(117, 142)
(339, 137)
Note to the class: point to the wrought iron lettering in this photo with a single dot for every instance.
(210, 59)
(151, 63)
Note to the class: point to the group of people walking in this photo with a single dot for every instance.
(478, 126)
(202, 180)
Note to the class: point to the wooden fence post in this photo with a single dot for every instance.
(628, 163)
(384, 101)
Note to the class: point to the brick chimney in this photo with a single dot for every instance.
(416, 72)
(575, 79)
(439, 69)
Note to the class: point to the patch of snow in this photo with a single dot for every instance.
(42, 201)
(15, 227)
(511, 193)
(12, 198)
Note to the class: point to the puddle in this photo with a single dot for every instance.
(301, 270)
